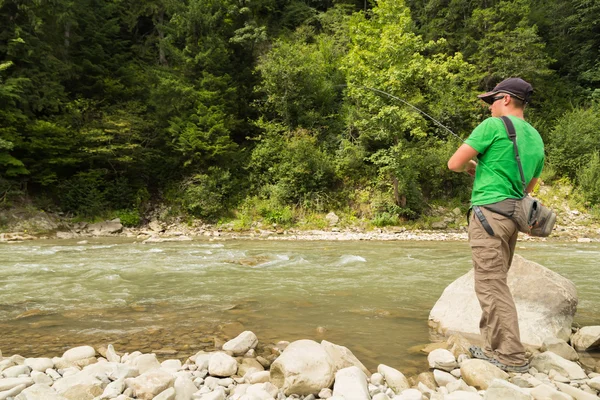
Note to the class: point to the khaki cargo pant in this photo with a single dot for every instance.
(492, 258)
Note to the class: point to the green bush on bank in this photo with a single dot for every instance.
(588, 177)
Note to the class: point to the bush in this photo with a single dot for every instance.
(208, 195)
(129, 218)
(574, 139)
(84, 193)
(588, 178)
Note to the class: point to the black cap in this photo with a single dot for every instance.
(516, 87)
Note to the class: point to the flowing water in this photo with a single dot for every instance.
(175, 298)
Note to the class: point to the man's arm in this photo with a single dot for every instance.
(461, 160)
(532, 184)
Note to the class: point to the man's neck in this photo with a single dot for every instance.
(514, 112)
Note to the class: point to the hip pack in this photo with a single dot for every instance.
(530, 215)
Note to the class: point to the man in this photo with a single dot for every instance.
(493, 236)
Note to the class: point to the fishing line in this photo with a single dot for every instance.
(410, 105)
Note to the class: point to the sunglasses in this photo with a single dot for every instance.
(492, 100)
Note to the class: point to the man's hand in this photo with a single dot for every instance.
(470, 167)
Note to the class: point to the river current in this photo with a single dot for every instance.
(176, 298)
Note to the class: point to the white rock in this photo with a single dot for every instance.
(501, 390)
(258, 392)
(242, 343)
(394, 378)
(64, 384)
(351, 383)
(171, 365)
(480, 374)
(111, 354)
(217, 394)
(462, 395)
(9, 383)
(53, 374)
(560, 347)
(39, 364)
(325, 393)
(15, 371)
(221, 364)
(303, 368)
(457, 385)
(409, 394)
(113, 389)
(545, 312)
(377, 379)
(79, 353)
(544, 391)
(594, 383)
(146, 362)
(587, 338)
(443, 378)
(574, 392)
(442, 359)
(201, 359)
(548, 360)
(12, 392)
(342, 357)
(167, 394)
(184, 388)
(39, 392)
(381, 396)
(40, 377)
(259, 377)
(149, 384)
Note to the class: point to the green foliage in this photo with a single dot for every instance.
(129, 218)
(207, 195)
(385, 219)
(290, 167)
(575, 137)
(588, 178)
(84, 193)
(276, 214)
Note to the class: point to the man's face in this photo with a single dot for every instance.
(497, 104)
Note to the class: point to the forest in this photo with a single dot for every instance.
(264, 109)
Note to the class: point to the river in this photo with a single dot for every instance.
(174, 298)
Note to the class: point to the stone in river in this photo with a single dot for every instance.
(394, 378)
(544, 312)
(78, 353)
(480, 374)
(242, 343)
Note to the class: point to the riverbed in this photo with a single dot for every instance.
(176, 298)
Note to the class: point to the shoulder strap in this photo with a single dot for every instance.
(512, 135)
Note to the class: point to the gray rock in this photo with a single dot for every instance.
(545, 312)
(105, 228)
(560, 347)
(547, 361)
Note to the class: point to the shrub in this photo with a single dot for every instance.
(588, 178)
(574, 139)
(84, 193)
(129, 218)
(207, 195)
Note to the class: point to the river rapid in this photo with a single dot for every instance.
(176, 298)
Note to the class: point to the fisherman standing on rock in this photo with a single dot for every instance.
(493, 236)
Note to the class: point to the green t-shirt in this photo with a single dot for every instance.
(497, 175)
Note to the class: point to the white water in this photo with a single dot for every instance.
(373, 297)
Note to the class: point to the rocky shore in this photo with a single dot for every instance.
(244, 369)
(575, 228)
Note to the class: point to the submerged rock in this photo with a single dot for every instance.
(544, 312)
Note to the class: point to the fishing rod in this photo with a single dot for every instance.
(410, 105)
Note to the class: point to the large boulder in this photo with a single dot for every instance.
(546, 303)
(303, 368)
